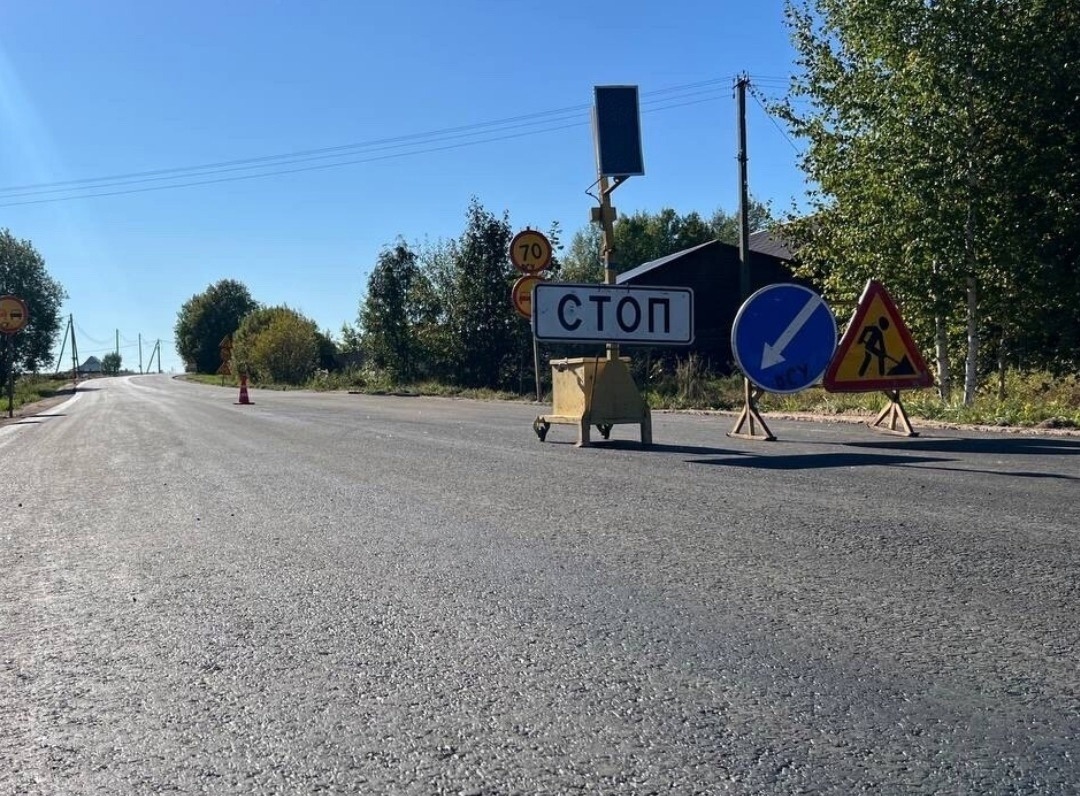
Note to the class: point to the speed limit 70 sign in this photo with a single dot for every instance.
(530, 251)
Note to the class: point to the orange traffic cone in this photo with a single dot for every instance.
(243, 391)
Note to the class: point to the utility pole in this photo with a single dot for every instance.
(606, 218)
(744, 193)
(750, 416)
(74, 351)
(63, 348)
(118, 342)
(140, 353)
(156, 351)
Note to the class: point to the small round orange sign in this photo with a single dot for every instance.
(13, 314)
(530, 251)
(521, 294)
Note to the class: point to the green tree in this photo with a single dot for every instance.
(327, 350)
(110, 364)
(430, 300)
(350, 340)
(642, 237)
(206, 319)
(23, 274)
(386, 314)
(725, 226)
(276, 345)
(583, 261)
(937, 131)
(482, 326)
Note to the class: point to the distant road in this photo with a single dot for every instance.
(357, 594)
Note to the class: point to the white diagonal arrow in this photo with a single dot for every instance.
(774, 354)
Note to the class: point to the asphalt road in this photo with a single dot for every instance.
(356, 594)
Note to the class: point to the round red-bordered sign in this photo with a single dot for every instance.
(530, 251)
(13, 314)
(521, 294)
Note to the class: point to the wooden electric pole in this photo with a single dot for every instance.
(744, 192)
(750, 418)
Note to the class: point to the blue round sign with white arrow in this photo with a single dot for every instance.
(784, 337)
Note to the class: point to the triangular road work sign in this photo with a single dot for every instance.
(876, 351)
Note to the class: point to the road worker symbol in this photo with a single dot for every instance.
(877, 351)
(872, 339)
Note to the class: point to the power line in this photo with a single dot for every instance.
(238, 165)
(280, 172)
(781, 79)
(709, 94)
(776, 124)
(337, 164)
(325, 151)
(535, 123)
(82, 332)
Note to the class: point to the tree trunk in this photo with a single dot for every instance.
(941, 351)
(971, 374)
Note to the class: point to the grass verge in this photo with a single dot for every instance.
(30, 389)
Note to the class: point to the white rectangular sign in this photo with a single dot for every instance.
(613, 314)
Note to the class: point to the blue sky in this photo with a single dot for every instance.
(110, 88)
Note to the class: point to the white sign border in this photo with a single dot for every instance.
(617, 289)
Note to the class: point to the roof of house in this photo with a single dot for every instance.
(762, 242)
(628, 275)
(768, 243)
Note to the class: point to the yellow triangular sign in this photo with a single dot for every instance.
(876, 351)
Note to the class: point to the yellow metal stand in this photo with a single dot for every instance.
(594, 391)
(895, 415)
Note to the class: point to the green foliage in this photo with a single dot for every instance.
(389, 312)
(684, 383)
(725, 226)
(643, 237)
(1031, 399)
(942, 140)
(351, 340)
(110, 363)
(276, 345)
(206, 319)
(583, 262)
(327, 350)
(23, 274)
(441, 310)
(433, 298)
(483, 331)
(33, 388)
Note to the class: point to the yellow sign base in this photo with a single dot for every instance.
(594, 391)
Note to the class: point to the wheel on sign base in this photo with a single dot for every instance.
(604, 429)
(541, 427)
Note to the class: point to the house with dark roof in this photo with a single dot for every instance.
(712, 270)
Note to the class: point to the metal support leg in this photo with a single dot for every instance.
(750, 417)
